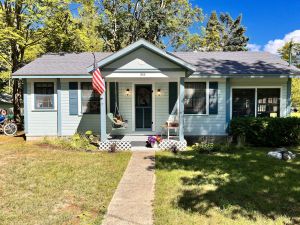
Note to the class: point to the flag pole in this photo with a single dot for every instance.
(102, 110)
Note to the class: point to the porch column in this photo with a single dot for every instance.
(103, 117)
(181, 109)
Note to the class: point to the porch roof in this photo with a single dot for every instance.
(199, 63)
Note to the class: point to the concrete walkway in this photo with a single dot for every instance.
(133, 199)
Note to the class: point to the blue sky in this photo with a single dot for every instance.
(265, 20)
(269, 23)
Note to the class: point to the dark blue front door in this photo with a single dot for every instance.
(143, 107)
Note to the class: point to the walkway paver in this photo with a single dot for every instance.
(133, 199)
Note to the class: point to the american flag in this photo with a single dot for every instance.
(98, 82)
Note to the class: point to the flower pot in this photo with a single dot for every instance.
(154, 145)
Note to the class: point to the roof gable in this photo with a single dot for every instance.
(150, 47)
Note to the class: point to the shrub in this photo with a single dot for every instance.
(267, 131)
(76, 142)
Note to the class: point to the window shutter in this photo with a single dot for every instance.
(114, 95)
(173, 94)
(213, 97)
(73, 98)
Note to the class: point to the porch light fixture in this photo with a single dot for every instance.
(127, 92)
(158, 92)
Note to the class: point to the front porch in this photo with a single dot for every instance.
(146, 106)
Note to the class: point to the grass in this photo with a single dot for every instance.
(295, 114)
(241, 187)
(42, 185)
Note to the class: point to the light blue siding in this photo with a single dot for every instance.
(45, 123)
(59, 127)
(209, 124)
(142, 59)
(26, 101)
(125, 105)
(161, 105)
(76, 123)
(41, 123)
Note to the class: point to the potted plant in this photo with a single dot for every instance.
(154, 141)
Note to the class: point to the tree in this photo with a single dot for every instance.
(22, 28)
(75, 34)
(125, 21)
(290, 52)
(29, 28)
(212, 38)
(233, 35)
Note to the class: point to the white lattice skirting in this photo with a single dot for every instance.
(126, 145)
(120, 145)
(168, 144)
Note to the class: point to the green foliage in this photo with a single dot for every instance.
(267, 131)
(77, 142)
(212, 38)
(289, 52)
(222, 33)
(233, 33)
(124, 22)
(292, 58)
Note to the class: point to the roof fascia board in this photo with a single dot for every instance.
(51, 76)
(139, 44)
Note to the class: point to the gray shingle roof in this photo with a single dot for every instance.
(61, 64)
(209, 63)
(237, 63)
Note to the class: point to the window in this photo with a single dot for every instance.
(243, 102)
(195, 98)
(90, 100)
(267, 102)
(44, 95)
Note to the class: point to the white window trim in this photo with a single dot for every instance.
(255, 87)
(207, 98)
(33, 109)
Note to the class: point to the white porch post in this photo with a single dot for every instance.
(103, 117)
(181, 109)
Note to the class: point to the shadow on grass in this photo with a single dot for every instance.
(247, 180)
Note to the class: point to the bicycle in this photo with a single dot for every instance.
(7, 126)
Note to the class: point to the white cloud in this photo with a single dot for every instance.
(273, 45)
(253, 47)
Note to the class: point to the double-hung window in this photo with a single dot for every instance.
(260, 102)
(195, 98)
(43, 95)
(90, 100)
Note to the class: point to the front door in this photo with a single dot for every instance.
(143, 107)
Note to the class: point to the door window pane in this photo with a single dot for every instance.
(243, 102)
(268, 102)
(195, 98)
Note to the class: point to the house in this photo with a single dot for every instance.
(201, 90)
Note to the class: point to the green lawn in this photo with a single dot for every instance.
(40, 185)
(245, 187)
